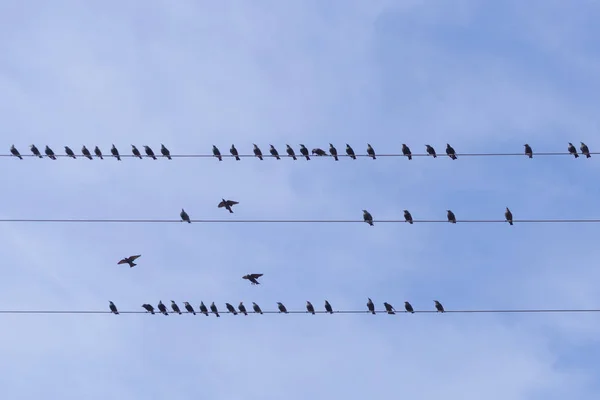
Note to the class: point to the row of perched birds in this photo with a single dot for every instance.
(368, 218)
(273, 151)
(257, 310)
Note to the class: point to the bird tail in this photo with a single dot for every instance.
(194, 312)
(189, 222)
(373, 312)
(231, 211)
(410, 157)
(588, 155)
(169, 157)
(218, 315)
(152, 312)
(576, 155)
(294, 158)
(371, 223)
(89, 157)
(336, 158)
(154, 157)
(221, 158)
(510, 222)
(410, 222)
(374, 158)
(20, 158)
(530, 155)
(132, 265)
(236, 158)
(307, 158)
(260, 158)
(435, 156)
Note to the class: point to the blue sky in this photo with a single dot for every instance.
(483, 76)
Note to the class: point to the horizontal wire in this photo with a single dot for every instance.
(294, 221)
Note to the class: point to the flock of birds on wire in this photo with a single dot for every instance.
(241, 309)
(85, 152)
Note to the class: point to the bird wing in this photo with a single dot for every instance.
(255, 276)
(232, 203)
(221, 204)
(123, 261)
(133, 258)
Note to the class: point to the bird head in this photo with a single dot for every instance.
(186, 303)
(582, 143)
(403, 144)
(447, 144)
(525, 145)
(146, 147)
(272, 146)
(214, 147)
(370, 301)
(307, 302)
(436, 302)
(241, 303)
(406, 302)
(160, 302)
(32, 145)
(132, 146)
(172, 302)
(202, 303)
(113, 145)
(279, 304)
(301, 145)
(405, 211)
(111, 302)
(448, 211)
(212, 304)
(162, 145)
(570, 144)
(347, 145)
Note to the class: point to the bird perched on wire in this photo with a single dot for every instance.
(217, 153)
(86, 153)
(408, 307)
(175, 307)
(282, 308)
(406, 151)
(450, 151)
(371, 151)
(165, 152)
(50, 153)
(113, 308)
(274, 152)
(430, 151)
(438, 306)
(318, 152)
(310, 308)
(585, 150)
(333, 152)
(328, 307)
(149, 308)
(69, 152)
(528, 151)
(162, 308)
(367, 217)
(256, 308)
(350, 152)
(98, 153)
(253, 278)
(136, 152)
(242, 308)
(451, 217)
(234, 153)
(257, 152)
(371, 306)
(573, 150)
(290, 152)
(184, 216)
(203, 308)
(230, 308)
(15, 152)
(35, 151)
(189, 307)
(304, 152)
(227, 204)
(214, 309)
(130, 260)
(149, 152)
(389, 308)
(115, 152)
(508, 215)
(407, 217)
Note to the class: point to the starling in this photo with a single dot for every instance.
(368, 218)
(451, 217)
(98, 153)
(389, 308)
(175, 307)
(528, 151)
(203, 309)
(165, 152)
(328, 307)
(86, 152)
(508, 215)
(149, 308)
(573, 150)
(585, 150)
(149, 152)
(115, 152)
(232, 150)
(227, 204)
(217, 153)
(130, 260)
(136, 152)
(318, 152)
(253, 278)
(274, 152)
(113, 308)
(242, 308)
(281, 308)
(406, 151)
(408, 307)
(15, 152)
(257, 152)
(407, 217)
(310, 308)
(333, 152)
(256, 308)
(430, 151)
(69, 152)
(214, 310)
(189, 307)
(50, 153)
(290, 152)
(184, 216)
(370, 151)
(438, 306)
(35, 151)
(450, 151)
(162, 308)
(350, 152)
(371, 306)
(230, 308)
(304, 151)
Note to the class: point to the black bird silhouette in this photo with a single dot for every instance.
(257, 152)
(227, 204)
(189, 307)
(136, 152)
(162, 308)
(430, 151)
(115, 152)
(274, 152)
(175, 307)
(35, 151)
(165, 152)
(438, 306)
(69, 152)
(389, 308)
(86, 153)
(203, 308)
(508, 215)
(214, 310)
(406, 151)
(234, 153)
(98, 153)
(328, 307)
(130, 260)
(256, 308)
(333, 152)
(184, 216)
(50, 153)
(310, 308)
(528, 151)
(149, 152)
(367, 217)
(407, 217)
(15, 152)
(217, 153)
(304, 151)
(242, 308)
(350, 152)
(113, 308)
(253, 278)
(281, 308)
(290, 152)
(450, 151)
(149, 308)
(585, 150)
(451, 216)
(370, 151)
(408, 307)
(230, 308)
(371, 306)
(573, 150)
(319, 152)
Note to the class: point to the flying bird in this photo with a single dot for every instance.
(230, 308)
(328, 307)
(430, 151)
(115, 152)
(371, 306)
(585, 150)
(130, 260)
(234, 153)
(149, 152)
(438, 306)
(165, 152)
(408, 307)
(350, 152)
(242, 308)
(450, 151)
(69, 152)
(50, 153)
(86, 153)
(257, 152)
(310, 308)
(304, 151)
(113, 308)
(508, 215)
(451, 216)
(184, 216)
(573, 150)
(35, 151)
(189, 307)
(333, 152)
(370, 151)
(407, 217)
(367, 217)
(256, 308)
(98, 153)
(528, 151)
(274, 152)
(149, 308)
(227, 204)
(175, 307)
(281, 308)
(389, 308)
(252, 278)
(15, 152)
(319, 152)
(162, 308)
(217, 153)
(203, 308)
(214, 310)
(136, 152)
(406, 151)
(290, 152)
